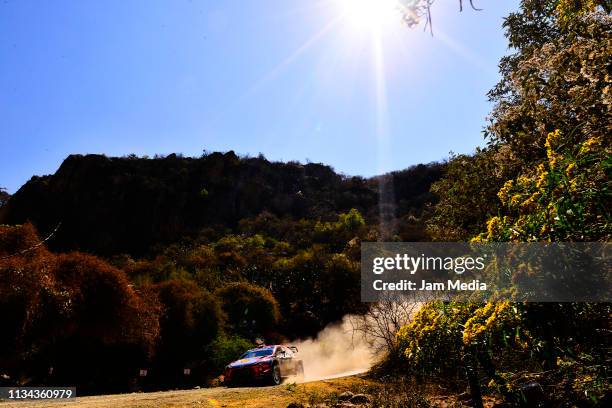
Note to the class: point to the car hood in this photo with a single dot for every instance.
(249, 361)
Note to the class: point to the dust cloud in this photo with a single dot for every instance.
(336, 352)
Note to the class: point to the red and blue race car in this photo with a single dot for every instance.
(270, 364)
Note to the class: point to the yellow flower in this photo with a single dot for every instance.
(515, 199)
(503, 193)
(569, 170)
(493, 226)
(522, 181)
(531, 201)
(491, 313)
(573, 184)
(550, 139)
(542, 179)
(487, 308)
(588, 146)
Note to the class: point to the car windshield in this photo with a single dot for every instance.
(257, 353)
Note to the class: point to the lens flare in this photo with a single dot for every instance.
(369, 14)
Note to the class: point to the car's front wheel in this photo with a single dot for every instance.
(276, 377)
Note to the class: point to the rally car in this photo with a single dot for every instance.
(268, 364)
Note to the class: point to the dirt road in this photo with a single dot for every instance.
(247, 397)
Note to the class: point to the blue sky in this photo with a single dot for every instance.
(292, 79)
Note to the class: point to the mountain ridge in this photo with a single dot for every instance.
(109, 205)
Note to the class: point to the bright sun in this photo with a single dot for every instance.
(369, 14)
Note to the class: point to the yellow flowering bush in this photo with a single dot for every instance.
(561, 199)
(435, 339)
(532, 185)
(503, 193)
(551, 138)
(431, 343)
(493, 319)
(564, 197)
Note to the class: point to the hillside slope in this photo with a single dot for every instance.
(128, 205)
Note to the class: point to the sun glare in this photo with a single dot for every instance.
(369, 14)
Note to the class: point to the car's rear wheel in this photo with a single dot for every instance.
(276, 377)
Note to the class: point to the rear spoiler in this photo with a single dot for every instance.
(293, 348)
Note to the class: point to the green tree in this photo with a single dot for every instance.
(252, 310)
(558, 78)
(468, 194)
(191, 318)
(550, 128)
(226, 348)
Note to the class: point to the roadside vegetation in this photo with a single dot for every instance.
(544, 177)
